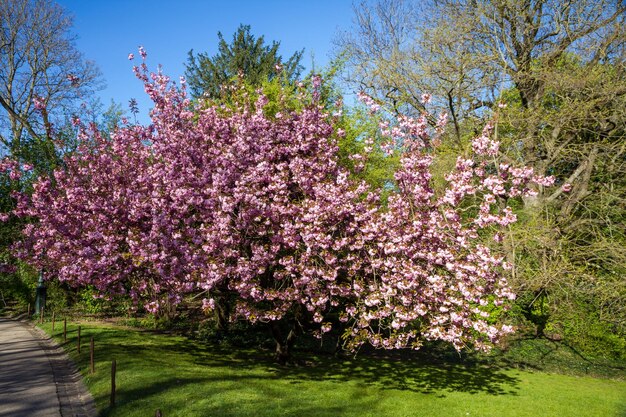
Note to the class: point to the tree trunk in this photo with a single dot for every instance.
(222, 314)
(283, 345)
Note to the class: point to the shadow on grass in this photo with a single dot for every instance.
(270, 400)
(409, 375)
(179, 368)
(402, 371)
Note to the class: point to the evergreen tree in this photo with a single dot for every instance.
(247, 55)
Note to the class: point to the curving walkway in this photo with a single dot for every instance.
(37, 379)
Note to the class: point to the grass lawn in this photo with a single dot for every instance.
(186, 378)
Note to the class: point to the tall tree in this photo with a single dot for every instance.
(44, 81)
(246, 55)
(43, 76)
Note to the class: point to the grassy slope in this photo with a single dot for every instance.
(185, 378)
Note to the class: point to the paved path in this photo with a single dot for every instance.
(36, 377)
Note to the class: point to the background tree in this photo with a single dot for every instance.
(559, 68)
(246, 55)
(44, 80)
(39, 68)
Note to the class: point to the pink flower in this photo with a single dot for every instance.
(73, 79)
(39, 103)
(208, 304)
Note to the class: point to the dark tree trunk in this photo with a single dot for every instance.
(284, 345)
(222, 314)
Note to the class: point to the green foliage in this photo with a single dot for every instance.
(19, 285)
(89, 303)
(148, 321)
(569, 247)
(586, 331)
(246, 55)
(379, 167)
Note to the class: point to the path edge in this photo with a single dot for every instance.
(74, 397)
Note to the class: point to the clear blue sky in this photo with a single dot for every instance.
(109, 30)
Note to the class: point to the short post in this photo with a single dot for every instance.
(53, 321)
(65, 329)
(28, 313)
(158, 413)
(113, 365)
(41, 312)
(91, 356)
(78, 341)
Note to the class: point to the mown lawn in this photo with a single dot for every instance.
(185, 378)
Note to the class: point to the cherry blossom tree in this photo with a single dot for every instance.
(230, 200)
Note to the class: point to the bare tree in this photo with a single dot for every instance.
(39, 63)
(396, 51)
(467, 52)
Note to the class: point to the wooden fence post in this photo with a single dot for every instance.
(91, 356)
(158, 413)
(28, 313)
(113, 366)
(41, 312)
(53, 313)
(65, 329)
(78, 339)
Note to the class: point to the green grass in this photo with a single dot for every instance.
(187, 378)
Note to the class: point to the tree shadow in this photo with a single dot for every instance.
(270, 397)
(399, 370)
(409, 374)
(218, 374)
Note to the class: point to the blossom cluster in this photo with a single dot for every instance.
(210, 200)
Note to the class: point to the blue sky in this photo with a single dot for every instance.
(109, 30)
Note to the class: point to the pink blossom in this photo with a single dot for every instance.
(39, 103)
(317, 81)
(208, 304)
(73, 79)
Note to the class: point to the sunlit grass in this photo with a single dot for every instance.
(186, 378)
